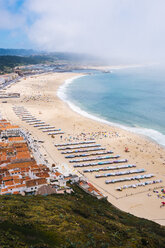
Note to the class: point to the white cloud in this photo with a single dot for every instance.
(9, 20)
(114, 28)
(110, 28)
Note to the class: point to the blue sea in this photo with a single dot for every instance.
(132, 98)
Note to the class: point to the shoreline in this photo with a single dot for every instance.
(38, 96)
(141, 131)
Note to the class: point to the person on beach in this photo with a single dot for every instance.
(163, 204)
(126, 149)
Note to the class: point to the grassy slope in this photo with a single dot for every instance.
(77, 220)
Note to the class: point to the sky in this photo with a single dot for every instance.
(125, 29)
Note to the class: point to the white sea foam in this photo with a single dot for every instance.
(150, 133)
(61, 93)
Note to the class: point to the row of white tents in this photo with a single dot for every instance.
(44, 126)
(76, 143)
(92, 159)
(77, 147)
(31, 120)
(50, 130)
(55, 133)
(138, 184)
(101, 163)
(139, 177)
(83, 150)
(117, 167)
(88, 154)
(120, 173)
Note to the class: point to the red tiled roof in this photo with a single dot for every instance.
(7, 178)
(15, 138)
(35, 182)
(9, 183)
(11, 187)
(57, 173)
(20, 185)
(4, 190)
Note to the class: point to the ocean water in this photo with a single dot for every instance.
(132, 98)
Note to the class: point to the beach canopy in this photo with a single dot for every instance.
(50, 130)
(129, 178)
(119, 173)
(76, 143)
(101, 163)
(138, 184)
(77, 147)
(110, 168)
(91, 159)
(88, 154)
(84, 150)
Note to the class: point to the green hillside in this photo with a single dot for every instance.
(72, 221)
(7, 63)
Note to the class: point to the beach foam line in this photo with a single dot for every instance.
(61, 92)
(150, 133)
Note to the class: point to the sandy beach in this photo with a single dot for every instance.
(39, 97)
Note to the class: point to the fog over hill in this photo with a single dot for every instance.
(123, 30)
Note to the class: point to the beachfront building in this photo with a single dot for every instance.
(7, 77)
(90, 189)
(19, 171)
(2, 80)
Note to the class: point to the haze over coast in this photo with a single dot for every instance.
(82, 134)
(115, 30)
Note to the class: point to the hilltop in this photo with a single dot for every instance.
(72, 221)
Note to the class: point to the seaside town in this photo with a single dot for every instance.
(82, 134)
(24, 170)
(21, 174)
(44, 156)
